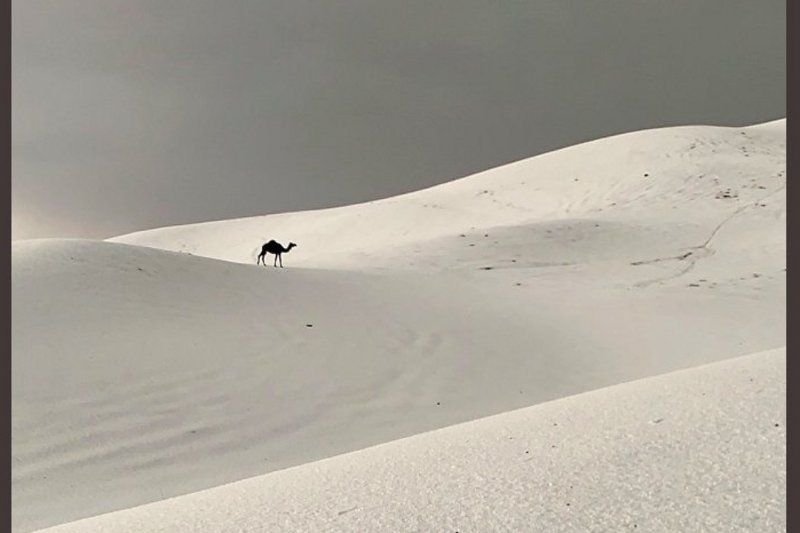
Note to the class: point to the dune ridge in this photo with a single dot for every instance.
(673, 175)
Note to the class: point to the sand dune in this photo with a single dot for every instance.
(141, 372)
(697, 450)
(683, 180)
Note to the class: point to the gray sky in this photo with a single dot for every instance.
(135, 114)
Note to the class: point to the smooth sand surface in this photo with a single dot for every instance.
(696, 450)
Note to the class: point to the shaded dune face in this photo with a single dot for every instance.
(141, 372)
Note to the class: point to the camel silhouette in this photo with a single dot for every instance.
(275, 248)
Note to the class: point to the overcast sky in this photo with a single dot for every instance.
(136, 114)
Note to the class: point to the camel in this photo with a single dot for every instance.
(275, 248)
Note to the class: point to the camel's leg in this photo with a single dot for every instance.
(260, 258)
(280, 258)
(275, 262)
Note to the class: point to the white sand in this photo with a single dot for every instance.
(697, 450)
(652, 192)
(141, 374)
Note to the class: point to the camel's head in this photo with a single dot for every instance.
(291, 245)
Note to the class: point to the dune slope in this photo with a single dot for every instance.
(698, 450)
(681, 182)
(141, 374)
